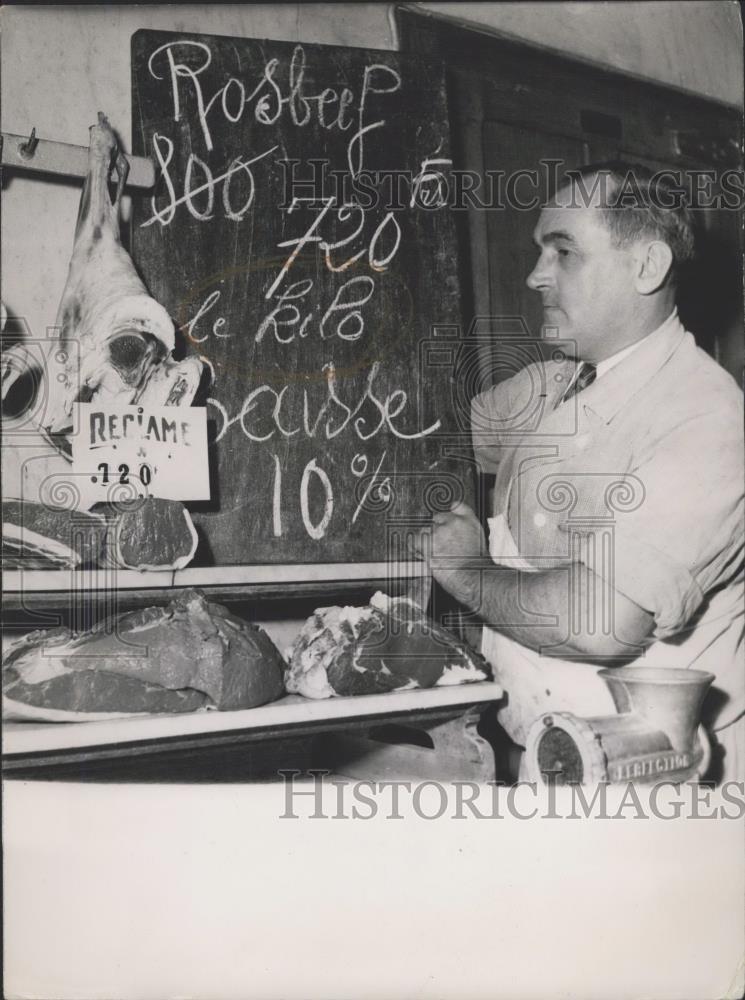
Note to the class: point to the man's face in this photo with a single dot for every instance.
(587, 284)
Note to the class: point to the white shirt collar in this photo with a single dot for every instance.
(611, 362)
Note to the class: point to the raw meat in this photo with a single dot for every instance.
(387, 646)
(154, 534)
(113, 335)
(40, 536)
(189, 655)
(112, 343)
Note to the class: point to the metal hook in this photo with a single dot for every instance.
(28, 148)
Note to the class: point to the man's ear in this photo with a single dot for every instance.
(653, 264)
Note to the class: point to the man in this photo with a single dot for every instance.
(617, 532)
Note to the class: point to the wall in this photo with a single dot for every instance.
(61, 65)
(696, 46)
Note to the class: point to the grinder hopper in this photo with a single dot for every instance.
(668, 699)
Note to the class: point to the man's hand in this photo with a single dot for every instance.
(455, 547)
(456, 533)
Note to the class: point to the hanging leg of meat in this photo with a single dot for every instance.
(113, 344)
(112, 336)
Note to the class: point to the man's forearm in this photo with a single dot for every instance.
(569, 611)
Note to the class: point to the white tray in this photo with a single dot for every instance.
(279, 717)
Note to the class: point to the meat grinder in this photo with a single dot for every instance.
(655, 736)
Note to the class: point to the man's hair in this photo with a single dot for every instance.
(636, 203)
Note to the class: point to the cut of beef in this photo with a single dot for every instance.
(83, 690)
(390, 645)
(189, 655)
(60, 537)
(154, 534)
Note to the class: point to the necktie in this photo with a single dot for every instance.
(585, 375)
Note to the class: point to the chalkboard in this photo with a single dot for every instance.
(301, 239)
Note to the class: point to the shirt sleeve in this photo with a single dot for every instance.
(505, 411)
(677, 522)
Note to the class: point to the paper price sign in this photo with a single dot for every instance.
(125, 451)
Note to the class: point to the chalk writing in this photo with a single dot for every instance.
(261, 416)
(270, 102)
(163, 148)
(188, 328)
(318, 530)
(429, 188)
(375, 485)
(343, 213)
(308, 310)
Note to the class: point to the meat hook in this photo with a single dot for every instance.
(28, 148)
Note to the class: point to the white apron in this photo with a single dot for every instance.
(535, 684)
